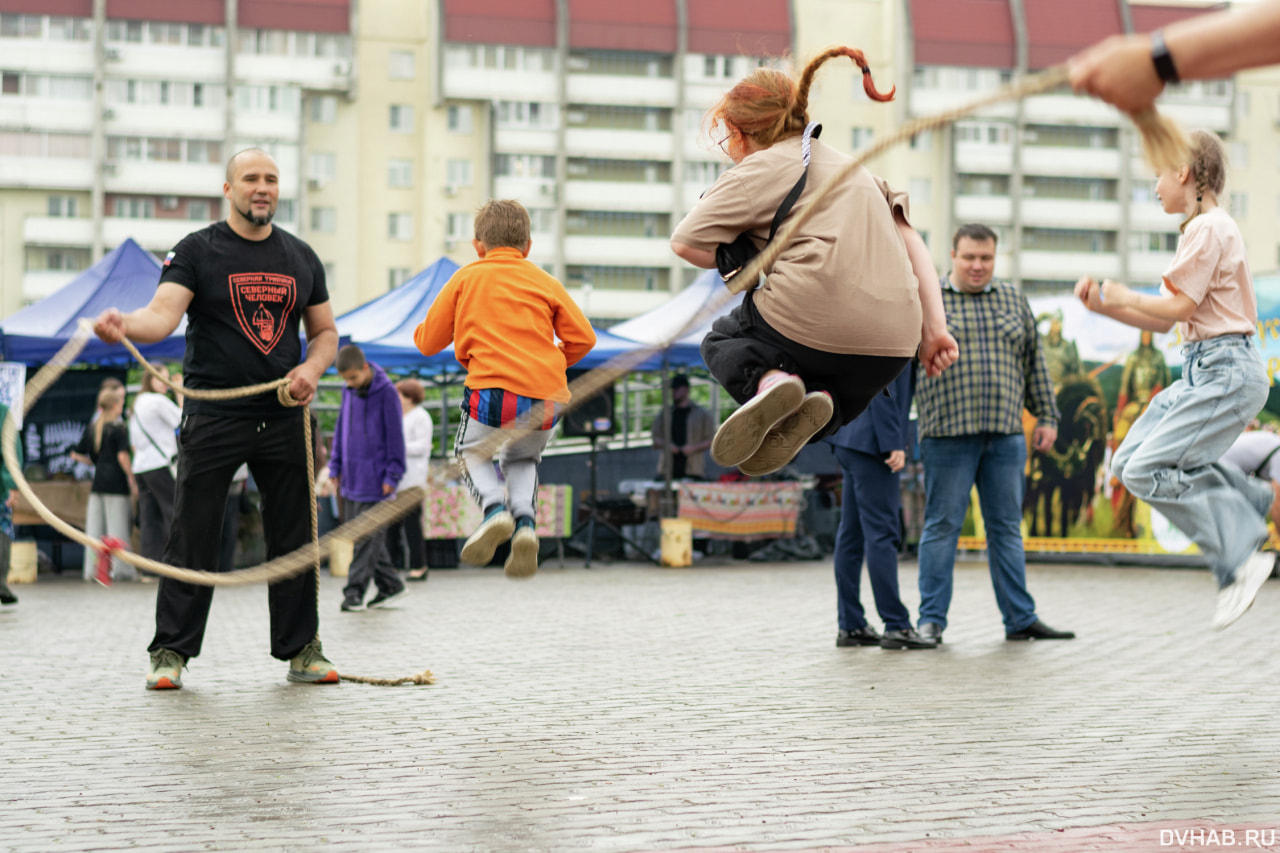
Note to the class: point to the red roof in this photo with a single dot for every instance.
(752, 27)
(323, 16)
(979, 33)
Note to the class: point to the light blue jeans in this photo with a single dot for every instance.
(1169, 458)
(994, 462)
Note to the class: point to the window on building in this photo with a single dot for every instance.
(700, 173)
(1239, 205)
(458, 173)
(400, 65)
(322, 166)
(135, 208)
(1239, 155)
(862, 137)
(324, 109)
(400, 173)
(69, 29)
(286, 210)
(62, 205)
(459, 227)
(524, 166)
(324, 220)
(922, 141)
(400, 226)
(401, 118)
(460, 118)
(921, 190)
(21, 26)
(200, 210)
(397, 276)
(1152, 242)
(982, 185)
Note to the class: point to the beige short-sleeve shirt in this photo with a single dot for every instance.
(1212, 267)
(844, 285)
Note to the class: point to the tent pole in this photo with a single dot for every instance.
(668, 510)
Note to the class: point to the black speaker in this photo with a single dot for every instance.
(590, 416)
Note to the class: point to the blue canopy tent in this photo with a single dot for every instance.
(125, 278)
(384, 327)
(657, 325)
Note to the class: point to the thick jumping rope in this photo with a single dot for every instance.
(1164, 145)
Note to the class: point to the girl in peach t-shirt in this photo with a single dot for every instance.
(1170, 456)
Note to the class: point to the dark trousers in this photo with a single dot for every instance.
(212, 449)
(410, 527)
(369, 558)
(870, 527)
(741, 347)
(155, 510)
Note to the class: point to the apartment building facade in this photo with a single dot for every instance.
(393, 120)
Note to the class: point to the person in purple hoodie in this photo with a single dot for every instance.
(366, 463)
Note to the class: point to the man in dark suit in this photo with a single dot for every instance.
(871, 451)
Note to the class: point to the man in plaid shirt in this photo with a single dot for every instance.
(971, 433)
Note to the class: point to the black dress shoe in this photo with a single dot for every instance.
(931, 631)
(1037, 630)
(864, 636)
(907, 639)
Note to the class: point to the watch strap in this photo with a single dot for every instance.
(1162, 59)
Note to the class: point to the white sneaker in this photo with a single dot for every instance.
(496, 529)
(1235, 599)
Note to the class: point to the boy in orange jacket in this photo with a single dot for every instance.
(503, 314)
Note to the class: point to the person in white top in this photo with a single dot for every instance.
(153, 435)
(418, 431)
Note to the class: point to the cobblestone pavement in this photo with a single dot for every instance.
(627, 708)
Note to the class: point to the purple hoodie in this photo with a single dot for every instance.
(368, 440)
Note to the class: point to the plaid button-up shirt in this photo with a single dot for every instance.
(1000, 371)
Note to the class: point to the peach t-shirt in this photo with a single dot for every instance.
(1212, 267)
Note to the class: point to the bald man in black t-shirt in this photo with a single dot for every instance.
(245, 288)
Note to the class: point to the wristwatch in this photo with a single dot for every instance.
(1162, 59)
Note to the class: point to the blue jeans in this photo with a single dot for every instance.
(952, 466)
(1169, 458)
(870, 527)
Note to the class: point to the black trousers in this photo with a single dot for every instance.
(370, 560)
(155, 510)
(410, 527)
(741, 347)
(212, 449)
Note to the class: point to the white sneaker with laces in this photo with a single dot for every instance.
(1236, 598)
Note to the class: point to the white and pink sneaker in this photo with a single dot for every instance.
(777, 396)
(785, 440)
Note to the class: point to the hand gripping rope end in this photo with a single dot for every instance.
(110, 545)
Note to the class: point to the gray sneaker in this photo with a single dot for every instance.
(523, 561)
(312, 667)
(496, 529)
(166, 670)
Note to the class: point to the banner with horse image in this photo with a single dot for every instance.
(1104, 374)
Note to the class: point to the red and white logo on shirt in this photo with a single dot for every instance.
(262, 301)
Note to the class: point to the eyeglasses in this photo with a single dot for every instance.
(727, 135)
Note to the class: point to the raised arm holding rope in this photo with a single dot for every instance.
(245, 287)
(849, 300)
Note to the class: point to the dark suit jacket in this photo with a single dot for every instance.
(882, 428)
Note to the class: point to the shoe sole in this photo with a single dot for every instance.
(330, 677)
(390, 599)
(783, 442)
(353, 609)
(164, 683)
(481, 545)
(523, 560)
(904, 644)
(848, 644)
(1251, 576)
(744, 431)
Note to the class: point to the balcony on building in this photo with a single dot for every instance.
(181, 61)
(618, 251)
(148, 120)
(57, 231)
(619, 195)
(531, 192)
(155, 235)
(610, 142)
(525, 140)
(162, 178)
(989, 209)
(54, 173)
(1071, 213)
(38, 56)
(1067, 265)
(39, 284)
(1146, 269)
(66, 116)
(628, 91)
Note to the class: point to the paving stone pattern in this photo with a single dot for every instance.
(628, 708)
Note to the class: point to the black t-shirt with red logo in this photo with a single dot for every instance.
(244, 317)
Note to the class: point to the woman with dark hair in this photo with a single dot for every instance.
(849, 301)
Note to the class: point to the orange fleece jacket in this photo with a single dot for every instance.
(500, 312)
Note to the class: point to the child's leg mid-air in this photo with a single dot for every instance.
(519, 460)
(474, 450)
(1170, 460)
